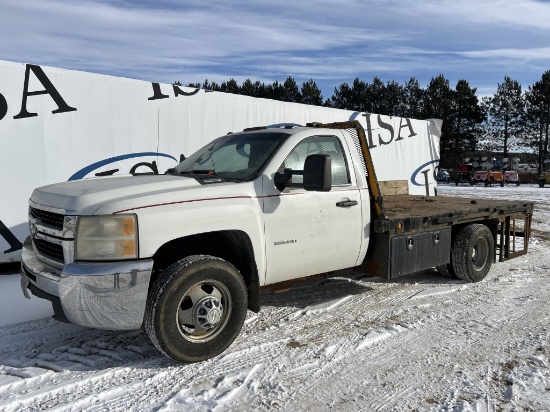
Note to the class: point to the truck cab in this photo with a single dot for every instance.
(266, 204)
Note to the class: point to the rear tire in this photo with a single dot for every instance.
(473, 252)
(447, 270)
(196, 308)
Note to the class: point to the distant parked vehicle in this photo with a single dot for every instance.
(489, 177)
(465, 174)
(492, 173)
(511, 177)
(443, 176)
(544, 178)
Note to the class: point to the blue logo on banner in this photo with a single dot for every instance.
(419, 170)
(88, 169)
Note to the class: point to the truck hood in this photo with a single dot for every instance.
(85, 197)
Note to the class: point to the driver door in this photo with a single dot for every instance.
(312, 232)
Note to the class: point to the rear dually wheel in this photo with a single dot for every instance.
(473, 252)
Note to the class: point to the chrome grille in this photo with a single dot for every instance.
(51, 250)
(55, 220)
(52, 241)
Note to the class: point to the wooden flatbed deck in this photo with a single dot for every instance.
(423, 212)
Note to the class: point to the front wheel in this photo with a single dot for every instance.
(196, 308)
(541, 183)
(473, 252)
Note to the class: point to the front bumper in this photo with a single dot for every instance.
(109, 295)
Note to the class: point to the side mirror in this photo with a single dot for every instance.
(318, 173)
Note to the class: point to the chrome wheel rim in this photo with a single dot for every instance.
(203, 311)
(480, 253)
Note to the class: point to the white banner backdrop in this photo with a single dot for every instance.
(58, 125)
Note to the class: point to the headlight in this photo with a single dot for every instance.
(106, 237)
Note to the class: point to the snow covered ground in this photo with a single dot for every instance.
(348, 342)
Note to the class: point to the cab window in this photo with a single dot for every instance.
(318, 145)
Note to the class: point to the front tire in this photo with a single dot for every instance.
(196, 308)
(473, 252)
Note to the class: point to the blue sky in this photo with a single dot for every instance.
(332, 42)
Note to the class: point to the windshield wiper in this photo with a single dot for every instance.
(209, 172)
(208, 176)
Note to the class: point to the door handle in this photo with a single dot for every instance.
(346, 203)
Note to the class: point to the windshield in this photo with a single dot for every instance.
(239, 157)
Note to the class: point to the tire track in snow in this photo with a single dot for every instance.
(323, 313)
(89, 360)
(265, 354)
(331, 354)
(463, 299)
(26, 327)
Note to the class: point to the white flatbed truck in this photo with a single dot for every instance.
(184, 254)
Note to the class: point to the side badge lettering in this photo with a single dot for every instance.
(284, 242)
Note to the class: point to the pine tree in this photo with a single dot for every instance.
(275, 91)
(466, 118)
(311, 93)
(375, 95)
(413, 99)
(206, 85)
(438, 104)
(538, 118)
(394, 99)
(359, 96)
(291, 92)
(505, 121)
(231, 86)
(342, 97)
(248, 89)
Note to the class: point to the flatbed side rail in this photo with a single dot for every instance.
(513, 238)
